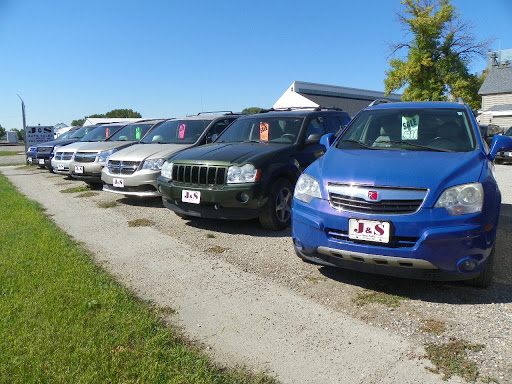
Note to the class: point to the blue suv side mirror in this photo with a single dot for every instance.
(327, 140)
(499, 143)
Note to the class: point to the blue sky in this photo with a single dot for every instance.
(69, 59)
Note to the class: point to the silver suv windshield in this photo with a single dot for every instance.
(132, 132)
(100, 133)
(262, 129)
(177, 132)
(422, 129)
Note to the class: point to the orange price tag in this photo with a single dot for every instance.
(263, 131)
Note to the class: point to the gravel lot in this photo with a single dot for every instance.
(325, 337)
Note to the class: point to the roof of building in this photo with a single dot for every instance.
(351, 100)
(499, 80)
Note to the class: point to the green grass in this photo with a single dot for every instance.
(64, 320)
(10, 153)
(369, 296)
(451, 359)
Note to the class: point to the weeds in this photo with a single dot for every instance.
(110, 204)
(451, 359)
(218, 249)
(140, 223)
(392, 301)
(83, 188)
(433, 326)
(88, 194)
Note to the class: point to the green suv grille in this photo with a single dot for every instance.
(199, 174)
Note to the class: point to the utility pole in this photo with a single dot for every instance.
(24, 123)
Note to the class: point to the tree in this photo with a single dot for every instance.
(252, 110)
(2, 131)
(436, 67)
(120, 113)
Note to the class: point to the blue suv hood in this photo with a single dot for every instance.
(57, 142)
(410, 169)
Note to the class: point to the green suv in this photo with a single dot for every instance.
(251, 169)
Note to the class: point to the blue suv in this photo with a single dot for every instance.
(406, 190)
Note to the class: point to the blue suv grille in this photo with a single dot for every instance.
(394, 241)
(375, 199)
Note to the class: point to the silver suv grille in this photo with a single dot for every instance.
(199, 174)
(375, 199)
(119, 167)
(63, 156)
(85, 157)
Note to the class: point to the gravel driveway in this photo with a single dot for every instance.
(241, 292)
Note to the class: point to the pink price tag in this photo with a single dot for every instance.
(182, 131)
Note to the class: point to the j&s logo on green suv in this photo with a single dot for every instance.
(251, 169)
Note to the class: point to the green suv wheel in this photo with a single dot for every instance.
(276, 214)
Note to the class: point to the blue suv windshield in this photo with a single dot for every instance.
(432, 129)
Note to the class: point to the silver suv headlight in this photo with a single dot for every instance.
(462, 199)
(103, 156)
(244, 174)
(167, 170)
(307, 189)
(153, 164)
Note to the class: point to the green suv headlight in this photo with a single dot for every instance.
(307, 189)
(153, 164)
(462, 199)
(244, 174)
(167, 170)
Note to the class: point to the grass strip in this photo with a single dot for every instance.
(10, 153)
(64, 320)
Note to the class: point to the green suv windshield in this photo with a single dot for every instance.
(177, 132)
(445, 130)
(262, 129)
(132, 132)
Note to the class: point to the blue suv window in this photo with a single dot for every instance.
(410, 129)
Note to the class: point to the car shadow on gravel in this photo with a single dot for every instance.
(500, 290)
(236, 227)
(152, 202)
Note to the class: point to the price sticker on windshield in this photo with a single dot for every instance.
(410, 126)
(264, 131)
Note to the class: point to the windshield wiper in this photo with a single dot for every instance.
(419, 146)
(360, 143)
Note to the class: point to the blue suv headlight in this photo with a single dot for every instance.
(462, 199)
(307, 189)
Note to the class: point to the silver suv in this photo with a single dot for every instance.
(133, 171)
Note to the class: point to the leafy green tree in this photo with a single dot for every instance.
(252, 110)
(442, 46)
(2, 131)
(123, 113)
(120, 113)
